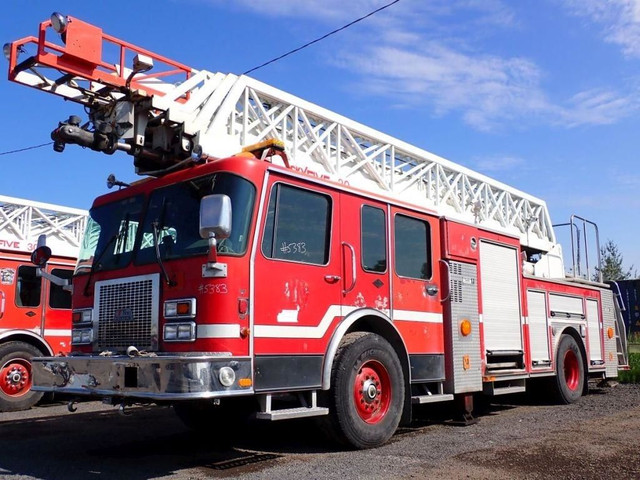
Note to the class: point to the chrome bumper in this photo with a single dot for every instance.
(147, 378)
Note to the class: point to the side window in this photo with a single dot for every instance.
(28, 287)
(298, 225)
(412, 247)
(59, 298)
(374, 240)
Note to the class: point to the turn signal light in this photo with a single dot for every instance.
(244, 382)
(465, 327)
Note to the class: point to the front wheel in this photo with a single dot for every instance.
(367, 391)
(569, 379)
(15, 377)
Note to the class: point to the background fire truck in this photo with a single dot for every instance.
(285, 261)
(35, 314)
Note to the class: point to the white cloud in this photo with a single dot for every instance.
(420, 54)
(487, 90)
(619, 19)
(597, 107)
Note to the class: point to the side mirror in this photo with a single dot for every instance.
(215, 216)
(41, 255)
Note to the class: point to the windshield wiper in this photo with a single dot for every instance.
(120, 245)
(97, 262)
(157, 226)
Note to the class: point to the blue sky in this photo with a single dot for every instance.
(543, 95)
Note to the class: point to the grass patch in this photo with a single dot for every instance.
(633, 375)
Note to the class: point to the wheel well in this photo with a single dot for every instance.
(29, 338)
(374, 323)
(576, 336)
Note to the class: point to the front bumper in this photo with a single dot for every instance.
(155, 378)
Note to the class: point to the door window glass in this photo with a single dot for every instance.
(374, 240)
(412, 247)
(28, 288)
(298, 225)
(58, 297)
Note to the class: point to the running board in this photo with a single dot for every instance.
(309, 408)
(440, 397)
(505, 387)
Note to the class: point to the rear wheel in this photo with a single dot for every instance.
(367, 391)
(15, 376)
(569, 379)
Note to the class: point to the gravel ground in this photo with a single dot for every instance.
(515, 438)
(596, 438)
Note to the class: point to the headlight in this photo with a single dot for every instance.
(182, 308)
(59, 22)
(82, 316)
(227, 376)
(180, 332)
(81, 337)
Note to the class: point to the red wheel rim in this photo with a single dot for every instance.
(372, 391)
(15, 377)
(571, 370)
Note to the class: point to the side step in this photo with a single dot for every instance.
(309, 408)
(504, 387)
(438, 397)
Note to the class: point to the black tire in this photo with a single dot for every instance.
(367, 392)
(15, 376)
(569, 382)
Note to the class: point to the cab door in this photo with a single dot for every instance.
(364, 244)
(297, 284)
(417, 291)
(56, 322)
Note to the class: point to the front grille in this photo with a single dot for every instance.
(127, 313)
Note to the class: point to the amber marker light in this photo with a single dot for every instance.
(244, 382)
(610, 333)
(465, 327)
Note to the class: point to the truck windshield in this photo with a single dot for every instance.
(109, 239)
(175, 210)
(113, 237)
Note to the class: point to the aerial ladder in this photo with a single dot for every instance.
(168, 116)
(23, 221)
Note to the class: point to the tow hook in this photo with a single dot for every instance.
(122, 411)
(71, 406)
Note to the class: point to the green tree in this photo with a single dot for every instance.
(611, 264)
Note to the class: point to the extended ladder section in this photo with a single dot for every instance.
(167, 116)
(23, 221)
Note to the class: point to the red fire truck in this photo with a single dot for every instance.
(35, 313)
(282, 260)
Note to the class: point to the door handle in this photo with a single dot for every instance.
(446, 280)
(353, 268)
(431, 290)
(332, 278)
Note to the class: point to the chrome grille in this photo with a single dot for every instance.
(127, 313)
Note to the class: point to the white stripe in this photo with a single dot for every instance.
(318, 331)
(417, 316)
(220, 330)
(57, 332)
(286, 331)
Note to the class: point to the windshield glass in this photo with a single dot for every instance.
(110, 235)
(173, 216)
